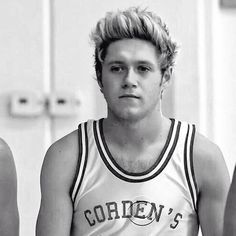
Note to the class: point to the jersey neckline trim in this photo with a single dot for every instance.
(153, 171)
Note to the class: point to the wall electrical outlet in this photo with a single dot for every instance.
(63, 104)
(27, 104)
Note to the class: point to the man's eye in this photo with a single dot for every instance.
(144, 68)
(117, 69)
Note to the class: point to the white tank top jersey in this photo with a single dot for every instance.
(108, 200)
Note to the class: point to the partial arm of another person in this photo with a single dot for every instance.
(230, 210)
(213, 182)
(58, 170)
(9, 217)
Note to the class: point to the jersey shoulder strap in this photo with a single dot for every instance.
(188, 163)
(82, 159)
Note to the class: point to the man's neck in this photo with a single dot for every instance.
(138, 132)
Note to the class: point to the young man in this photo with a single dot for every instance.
(230, 210)
(9, 218)
(134, 172)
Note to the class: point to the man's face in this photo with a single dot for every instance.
(131, 79)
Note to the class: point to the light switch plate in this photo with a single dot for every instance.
(63, 104)
(27, 104)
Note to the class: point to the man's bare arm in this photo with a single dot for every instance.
(9, 217)
(213, 182)
(56, 210)
(230, 210)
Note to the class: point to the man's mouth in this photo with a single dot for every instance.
(129, 96)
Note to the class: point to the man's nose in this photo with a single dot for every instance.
(130, 79)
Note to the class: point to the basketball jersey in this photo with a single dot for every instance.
(109, 200)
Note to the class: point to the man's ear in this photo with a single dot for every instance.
(99, 80)
(166, 78)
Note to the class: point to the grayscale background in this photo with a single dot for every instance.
(47, 83)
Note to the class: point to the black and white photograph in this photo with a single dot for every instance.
(117, 118)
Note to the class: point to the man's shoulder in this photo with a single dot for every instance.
(65, 143)
(4, 148)
(60, 163)
(205, 149)
(6, 157)
(209, 163)
(63, 150)
(61, 160)
(7, 170)
(68, 143)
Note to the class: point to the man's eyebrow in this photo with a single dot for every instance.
(123, 62)
(145, 62)
(114, 62)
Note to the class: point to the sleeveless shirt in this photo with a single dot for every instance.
(108, 200)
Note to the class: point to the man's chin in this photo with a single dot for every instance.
(131, 116)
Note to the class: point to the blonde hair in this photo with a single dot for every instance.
(130, 24)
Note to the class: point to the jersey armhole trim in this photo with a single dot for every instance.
(188, 165)
(82, 160)
(191, 163)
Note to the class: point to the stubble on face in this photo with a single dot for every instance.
(137, 58)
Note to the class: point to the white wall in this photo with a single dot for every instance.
(207, 98)
(224, 80)
(21, 68)
(45, 47)
(216, 76)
